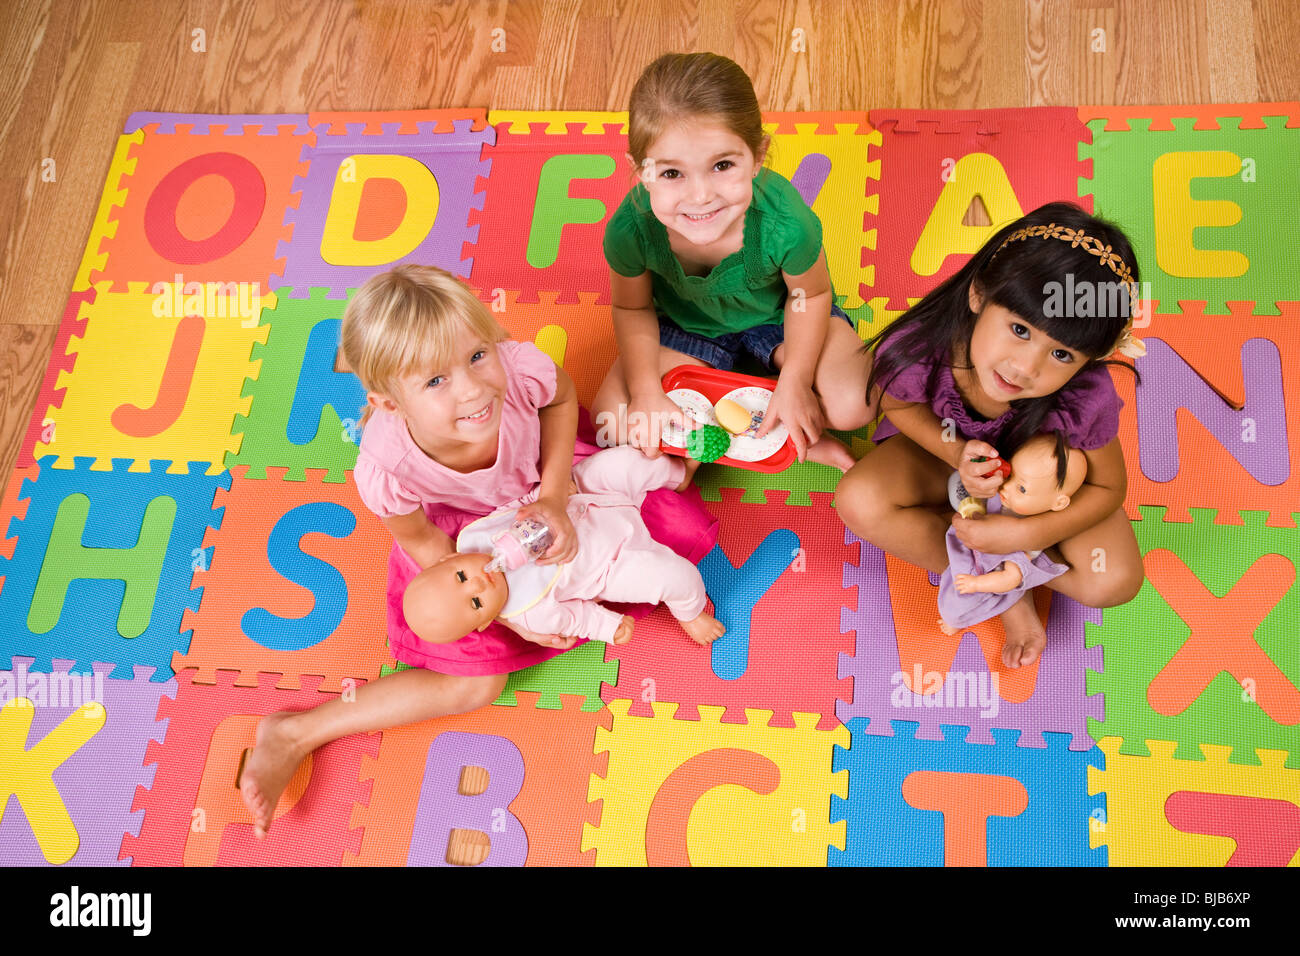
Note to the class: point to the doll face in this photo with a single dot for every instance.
(1032, 489)
(459, 405)
(1011, 359)
(700, 179)
(467, 597)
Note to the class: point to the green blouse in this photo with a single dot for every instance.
(746, 288)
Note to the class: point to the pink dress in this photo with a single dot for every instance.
(394, 476)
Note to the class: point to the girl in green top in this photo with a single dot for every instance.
(712, 256)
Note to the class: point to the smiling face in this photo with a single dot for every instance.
(1011, 359)
(451, 407)
(454, 596)
(700, 177)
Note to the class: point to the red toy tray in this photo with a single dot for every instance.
(713, 383)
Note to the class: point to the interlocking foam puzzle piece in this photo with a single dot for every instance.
(295, 584)
(916, 802)
(105, 226)
(204, 202)
(193, 813)
(559, 122)
(825, 156)
(224, 124)
(296, 387)
(84, 532)
(369, 199)
(74, 757)
(1219, 240)
(535, 821)
(1205, 654)
(933, 164)
(547, 199)
(801, 480)
(774, 566)
(577, 673)
(148, 385)
(904, 667)
(710, 793)
(1217, 415)
(577, 335)
(1162, 811)
(399, 121)
(73, 324)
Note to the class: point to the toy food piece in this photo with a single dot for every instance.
(707, 443)
(753, 402)
(734, 417)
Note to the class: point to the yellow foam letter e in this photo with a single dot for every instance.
(1177, 215)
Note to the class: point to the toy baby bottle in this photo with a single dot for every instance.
(525, 540)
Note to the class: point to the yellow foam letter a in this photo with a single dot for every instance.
(976, 174)
(339, 245)
(1178, 214)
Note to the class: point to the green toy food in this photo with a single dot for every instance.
(707, 443)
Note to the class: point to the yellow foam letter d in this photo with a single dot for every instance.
(339, 245)
(975, 174)
(1178, 215)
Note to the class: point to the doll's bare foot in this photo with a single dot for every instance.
(704, 629)
(624, 632)
(831, 451)
(1025, 634)
(268, 769)
(950, 631)
(692, 466)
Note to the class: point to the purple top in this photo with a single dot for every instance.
(1087, 407)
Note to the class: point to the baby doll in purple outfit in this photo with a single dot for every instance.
(617, 560)
(976, 586)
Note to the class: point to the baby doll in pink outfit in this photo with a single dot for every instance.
(1045, 473)
(617, 560)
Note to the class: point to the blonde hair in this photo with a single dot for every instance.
(678, 86)
(408, 319)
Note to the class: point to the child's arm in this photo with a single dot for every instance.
(1100, 496)
(636, 329)
(807, 316)
(419, 537)
(559, 431)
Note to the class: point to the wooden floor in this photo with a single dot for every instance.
(71, 71)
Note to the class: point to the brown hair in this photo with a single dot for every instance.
(681, 85)
(408, 319)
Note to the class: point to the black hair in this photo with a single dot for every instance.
(1028, 278)
(1062, 453)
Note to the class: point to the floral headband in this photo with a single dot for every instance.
(1127, 343)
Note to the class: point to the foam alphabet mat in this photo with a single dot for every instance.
(182, 549)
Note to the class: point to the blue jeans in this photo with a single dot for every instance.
(723, 351)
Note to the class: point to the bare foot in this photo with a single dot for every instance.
(950, 631)
(831, 451)
(704, 629)
(624, 632)
(268, 770)
(1025, 634)
(692, 466)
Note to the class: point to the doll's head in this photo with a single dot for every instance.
(454, 596)
(1045, 473)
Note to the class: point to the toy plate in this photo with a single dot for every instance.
(714, 385)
